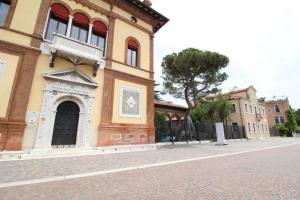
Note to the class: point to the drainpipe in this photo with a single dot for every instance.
(242, 117)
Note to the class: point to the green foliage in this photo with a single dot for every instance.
(200, 113)
(262, 99)
(283, 130)
(193, 74)
(298, 116)
(292, 123)
(224, 108)
(161, 127)
(157, 93)
(212, 111)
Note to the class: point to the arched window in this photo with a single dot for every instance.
(132, 53)
(4, 9)
(277, 109)
(99, 32)
(277, 120)
(282, 120)
(80, 27)
(58, 21)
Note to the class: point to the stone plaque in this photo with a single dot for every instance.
(130, 102)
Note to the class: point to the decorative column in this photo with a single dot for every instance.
(69, 26)
(151, 56)
(110, 40)
(90, 33)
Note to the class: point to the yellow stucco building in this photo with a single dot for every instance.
(248, 113)
(76, 73)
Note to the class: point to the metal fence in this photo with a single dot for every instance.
(274, 132)
(208, 131)
(202, 131)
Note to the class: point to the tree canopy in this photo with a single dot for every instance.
(157, 93)
(292, 123)
(218, 109)
(193, 74)
(298, 116)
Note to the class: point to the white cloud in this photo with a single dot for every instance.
(260, 37)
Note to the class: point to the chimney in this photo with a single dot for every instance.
(147, 3)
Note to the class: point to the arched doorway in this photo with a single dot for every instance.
(66, 124)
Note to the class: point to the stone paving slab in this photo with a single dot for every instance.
(21, 170)
(263, 175)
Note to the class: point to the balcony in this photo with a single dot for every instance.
(77, 52)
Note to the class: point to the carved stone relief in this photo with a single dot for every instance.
(69, 85)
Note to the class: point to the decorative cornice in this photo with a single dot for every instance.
(142, 11)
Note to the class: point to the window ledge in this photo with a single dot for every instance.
(134, 67)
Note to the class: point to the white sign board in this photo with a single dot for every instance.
(32, 117)
(220, 133)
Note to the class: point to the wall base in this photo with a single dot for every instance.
(11, 135)
(125, 135)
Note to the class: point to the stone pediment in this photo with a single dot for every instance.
(72, 76)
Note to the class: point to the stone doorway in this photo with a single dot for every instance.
(70, 86)
(65, 125)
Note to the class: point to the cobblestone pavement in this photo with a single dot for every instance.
(266, 174)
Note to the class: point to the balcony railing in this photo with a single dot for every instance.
(76, 51)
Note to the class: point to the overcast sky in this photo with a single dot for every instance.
(260, 37)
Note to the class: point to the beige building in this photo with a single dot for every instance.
(248, 112)
(76, 73)
(277, 112)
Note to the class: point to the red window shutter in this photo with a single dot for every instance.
(133, 44)
(60, 11)
(6, 1)
(100, 27)
(81, 19)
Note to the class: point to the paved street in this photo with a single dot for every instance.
(260, 173)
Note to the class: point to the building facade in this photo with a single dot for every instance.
(248, 112)
(76, 73)
(277, 113)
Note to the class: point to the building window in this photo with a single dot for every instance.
(250, 109)
(269, 110)
(277, 120)
(282, 120)
(277, 109)
(99, 33)
(262, 128)
(132, 53)
(258, 128)
(235, 127)
(253, 127)
(58, 21)
(80, 27)
(246, 108)
(4, 9)
(233, 109)
(249, 127)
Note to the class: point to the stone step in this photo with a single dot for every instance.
(70, 152)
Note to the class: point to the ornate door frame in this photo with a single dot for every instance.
(56, 92)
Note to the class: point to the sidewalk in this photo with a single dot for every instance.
(20, 170)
